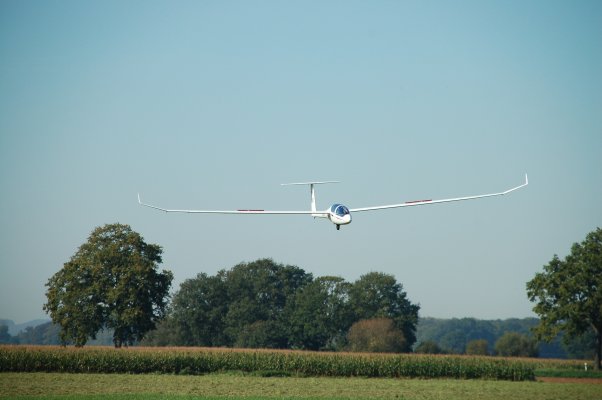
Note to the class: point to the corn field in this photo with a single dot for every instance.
(193, 361)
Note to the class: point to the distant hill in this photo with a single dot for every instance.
(15, 329)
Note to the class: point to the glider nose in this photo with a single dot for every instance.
(340, 215)
(346, 220)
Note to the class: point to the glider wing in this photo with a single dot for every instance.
(424, 202)
(242, 211)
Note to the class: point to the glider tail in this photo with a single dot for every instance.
(312, 194)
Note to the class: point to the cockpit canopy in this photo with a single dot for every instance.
(339, 210)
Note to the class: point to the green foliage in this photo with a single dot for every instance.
(262, 335)
(201, 361)
(513, 344)
(257, 296)
(165, 334)
(582, 346)
(454, 334)
(198, 311)
(5, 337)
(263, 304)
(429, 347)
(568, 293)
(377, 335)
(377, 295)
(477, 347)
(110, 282)
(319, 314)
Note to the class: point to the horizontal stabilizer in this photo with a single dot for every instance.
(309, 183)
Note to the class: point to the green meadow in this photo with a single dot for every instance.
(241, 386)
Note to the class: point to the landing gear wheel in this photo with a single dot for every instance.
(338, 227)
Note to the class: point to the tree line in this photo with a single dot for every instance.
(497, 337)
(264, 304)
(112, 283)
(509, 337)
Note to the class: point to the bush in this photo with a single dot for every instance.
(513, 344)
(429, 347)
(377, 335)
(477, 347)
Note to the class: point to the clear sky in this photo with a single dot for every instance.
(213, 104)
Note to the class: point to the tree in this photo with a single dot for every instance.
(259, 291)
(477, 347)
(5, 337)
(429, 347)
(165, 334)
(110, 282)
(319, 314)
(514, 344)
(568, 294)
(377, 335)
(262, 335)
(377, 295)
(198, 311)
(581, 347)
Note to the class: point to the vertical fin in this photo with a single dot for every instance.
(312, 191)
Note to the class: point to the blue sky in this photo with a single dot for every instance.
(213, 104)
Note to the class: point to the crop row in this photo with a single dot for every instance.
(201, 361)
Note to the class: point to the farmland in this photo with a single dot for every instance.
(241, 386)
(185, 373)
(196, 361)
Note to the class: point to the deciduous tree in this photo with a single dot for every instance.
(110, 282)
(198, 311)
(477, 347)
(378, 295)
(568, 293)
(514, 344)
(5, 337)
(319, 314)
(429, 347)
(258, 291)
(377, 335)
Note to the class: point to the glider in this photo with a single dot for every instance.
(338, 214)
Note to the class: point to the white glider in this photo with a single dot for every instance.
(338, 214)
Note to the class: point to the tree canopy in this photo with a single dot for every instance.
(477, 347)
(320, 314)
(198, 309)
(568, 293)
(376, 335)
(110, 282)
(377, 295)
(514, 344)
(266, 304)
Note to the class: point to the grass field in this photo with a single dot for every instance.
(241, 386)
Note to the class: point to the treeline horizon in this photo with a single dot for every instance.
(451, 336)
(263, 304)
